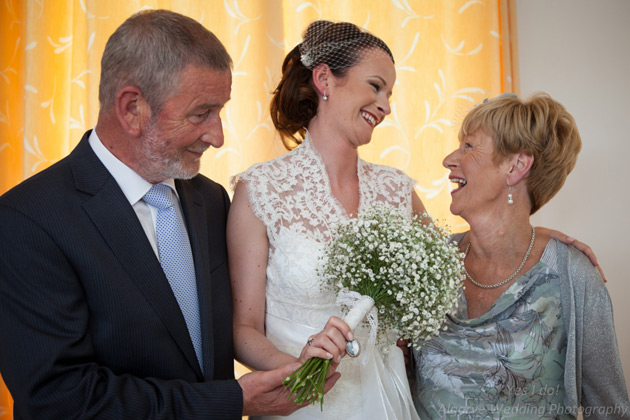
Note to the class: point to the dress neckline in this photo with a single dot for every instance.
(517, 289)
(310, 147)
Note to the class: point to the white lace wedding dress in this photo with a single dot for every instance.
(292, 196)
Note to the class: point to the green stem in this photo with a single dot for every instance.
(306, 384)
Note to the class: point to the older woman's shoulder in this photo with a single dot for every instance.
(581, 272)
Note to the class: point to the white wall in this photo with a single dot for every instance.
(579, 52)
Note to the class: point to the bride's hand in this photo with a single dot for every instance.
(330, 343)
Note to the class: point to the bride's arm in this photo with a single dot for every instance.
(416, 204)
(418, 209)
(248, 250)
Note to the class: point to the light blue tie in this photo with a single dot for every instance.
(176, 260)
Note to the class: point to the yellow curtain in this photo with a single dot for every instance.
(450, 54)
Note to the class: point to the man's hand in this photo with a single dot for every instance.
(263, 393)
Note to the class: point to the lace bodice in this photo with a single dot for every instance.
(292, 196)
(293, 191)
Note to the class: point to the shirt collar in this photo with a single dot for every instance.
(132, 185)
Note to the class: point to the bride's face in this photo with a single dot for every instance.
(359, 101)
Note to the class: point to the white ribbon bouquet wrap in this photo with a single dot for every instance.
(362, 307)
(397, 273)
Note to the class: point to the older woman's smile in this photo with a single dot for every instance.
(459, 183)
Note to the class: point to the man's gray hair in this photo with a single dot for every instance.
(150, 49)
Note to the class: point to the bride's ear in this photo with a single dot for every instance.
(320, 79)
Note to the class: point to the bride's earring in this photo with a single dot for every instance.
(510, 199)
(325, 96)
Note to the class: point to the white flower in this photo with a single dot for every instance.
(410, 269)
(307, 60)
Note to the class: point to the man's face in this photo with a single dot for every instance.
(189, 122)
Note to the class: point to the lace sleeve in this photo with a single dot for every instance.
(276, 193)
(256, 183)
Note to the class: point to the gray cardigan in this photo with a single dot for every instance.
(593, 378)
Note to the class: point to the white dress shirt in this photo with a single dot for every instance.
(134, 187)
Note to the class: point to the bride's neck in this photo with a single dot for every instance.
(339, 157)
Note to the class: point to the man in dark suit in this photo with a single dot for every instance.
(91, 325)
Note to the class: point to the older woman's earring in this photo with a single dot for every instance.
(510, 199)
(325, 97)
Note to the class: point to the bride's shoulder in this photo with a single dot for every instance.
(266, 168)
(278, 174)
(376, 168)
(376, 172)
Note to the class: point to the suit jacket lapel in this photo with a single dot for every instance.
(120, 228)
(195, 214)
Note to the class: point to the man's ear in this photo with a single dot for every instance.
(320, 78)
(132, 110)
(519, 167)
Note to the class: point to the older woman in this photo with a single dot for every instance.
(533, 334)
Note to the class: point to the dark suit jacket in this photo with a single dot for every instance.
(89, 325)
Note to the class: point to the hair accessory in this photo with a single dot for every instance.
(518, 270)
(338, 44)
(510, 198)
(325, 96)
(307, 60)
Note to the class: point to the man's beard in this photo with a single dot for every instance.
(157, 163)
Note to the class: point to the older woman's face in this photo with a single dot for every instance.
(480, 184)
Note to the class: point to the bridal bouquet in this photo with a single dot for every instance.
(401, 272)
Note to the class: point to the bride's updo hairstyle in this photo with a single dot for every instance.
(539, 126)
(340, 45)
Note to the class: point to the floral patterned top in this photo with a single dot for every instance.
(506, 364)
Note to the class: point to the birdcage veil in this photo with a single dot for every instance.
(338, 44)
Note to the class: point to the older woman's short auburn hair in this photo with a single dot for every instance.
(539, 126)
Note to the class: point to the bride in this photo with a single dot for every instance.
(334, 91)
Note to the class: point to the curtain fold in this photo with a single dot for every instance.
(449, 56)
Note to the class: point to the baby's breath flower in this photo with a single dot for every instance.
(407, 267)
